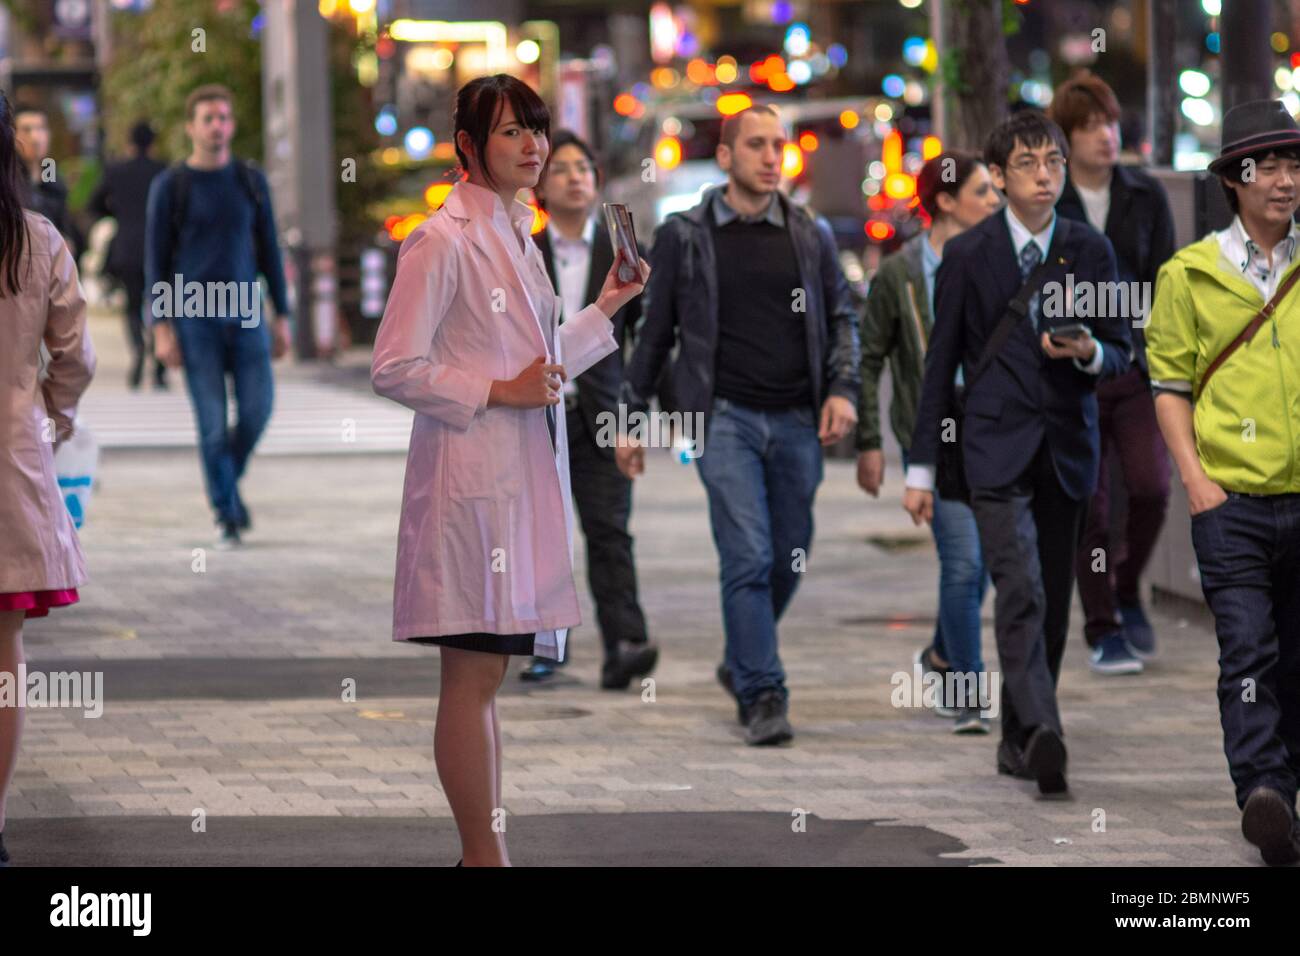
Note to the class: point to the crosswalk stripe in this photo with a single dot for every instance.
(306, 417)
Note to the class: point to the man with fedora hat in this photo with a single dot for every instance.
(1223, 345)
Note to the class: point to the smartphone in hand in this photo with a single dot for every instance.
(1063, 335)
(622, 236)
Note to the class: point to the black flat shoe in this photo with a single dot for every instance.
(4, 854)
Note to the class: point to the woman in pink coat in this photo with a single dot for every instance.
(470, 340)
(40, 302)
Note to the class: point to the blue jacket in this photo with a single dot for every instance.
(1023, 396)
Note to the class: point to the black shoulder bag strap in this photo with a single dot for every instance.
(1017, 311)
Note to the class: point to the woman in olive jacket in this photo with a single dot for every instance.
(956, 193)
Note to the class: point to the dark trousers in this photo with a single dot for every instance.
(1248, 552)
(133, 284)
(1029, 531)
(1129, 432)
(604, 502)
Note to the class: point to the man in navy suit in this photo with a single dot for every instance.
(1030, 435)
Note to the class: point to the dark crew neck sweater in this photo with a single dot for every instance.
(762, 354)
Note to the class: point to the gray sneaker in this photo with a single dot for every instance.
(970, 721)
(767, 724)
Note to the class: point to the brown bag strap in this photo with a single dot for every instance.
(1249, 331)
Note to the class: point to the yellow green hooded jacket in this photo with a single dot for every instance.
(1247, 418)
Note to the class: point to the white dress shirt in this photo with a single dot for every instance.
(572, 259)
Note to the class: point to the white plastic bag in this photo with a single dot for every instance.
(74, 464)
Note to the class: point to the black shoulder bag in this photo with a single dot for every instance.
(950, 470)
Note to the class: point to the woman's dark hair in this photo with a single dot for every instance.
(945, 173)
(1237, 172)
(479, 104)
(1031, 128)
(13, 225)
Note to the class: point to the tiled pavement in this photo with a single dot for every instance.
(306, 604)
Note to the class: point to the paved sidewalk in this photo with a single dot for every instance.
(224, 693)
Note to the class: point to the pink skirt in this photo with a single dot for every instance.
(37, 603)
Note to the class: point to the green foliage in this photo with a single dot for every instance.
(155, 66)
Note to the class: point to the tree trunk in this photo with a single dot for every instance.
(975, 71)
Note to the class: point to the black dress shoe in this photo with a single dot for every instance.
(1011, 761)
(1045, 761)
(1268, 821)
(724, 678)
(630, 661)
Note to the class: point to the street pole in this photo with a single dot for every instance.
(1244, 27)
(300, 163)
(1162, 86)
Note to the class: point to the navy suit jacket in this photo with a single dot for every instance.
(1023, 397)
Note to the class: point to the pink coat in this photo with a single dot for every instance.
(485, 539)
(38, 544)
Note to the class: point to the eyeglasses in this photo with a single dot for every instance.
(1027, 165)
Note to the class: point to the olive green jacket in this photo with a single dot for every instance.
(895, 327)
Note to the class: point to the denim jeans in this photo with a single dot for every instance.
(963, 582)
(1248, 552)
(761, 469)
(211, 349)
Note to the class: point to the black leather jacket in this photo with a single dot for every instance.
(680, 308)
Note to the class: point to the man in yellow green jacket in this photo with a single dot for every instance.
(1230, 414)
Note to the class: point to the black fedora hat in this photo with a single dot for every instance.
(1254, 127)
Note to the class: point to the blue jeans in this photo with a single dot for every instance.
(963, 581)
(211, 349)
(761, 470)
(1248, 553)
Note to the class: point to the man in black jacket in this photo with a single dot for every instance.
(1130, 207)
(46, 193)
(576, 249)
(123, 193)
(748, 287)
(1029, 435)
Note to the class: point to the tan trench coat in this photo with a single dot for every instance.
(38, 544)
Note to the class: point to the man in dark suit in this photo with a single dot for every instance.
(1029, 437)
(123, 193)
(576, 248)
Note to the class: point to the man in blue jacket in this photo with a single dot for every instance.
(749, 288)
(1029, 437)
(210, 231)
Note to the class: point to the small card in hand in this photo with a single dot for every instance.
(618, 219)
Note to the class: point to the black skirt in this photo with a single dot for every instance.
(521, 644)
